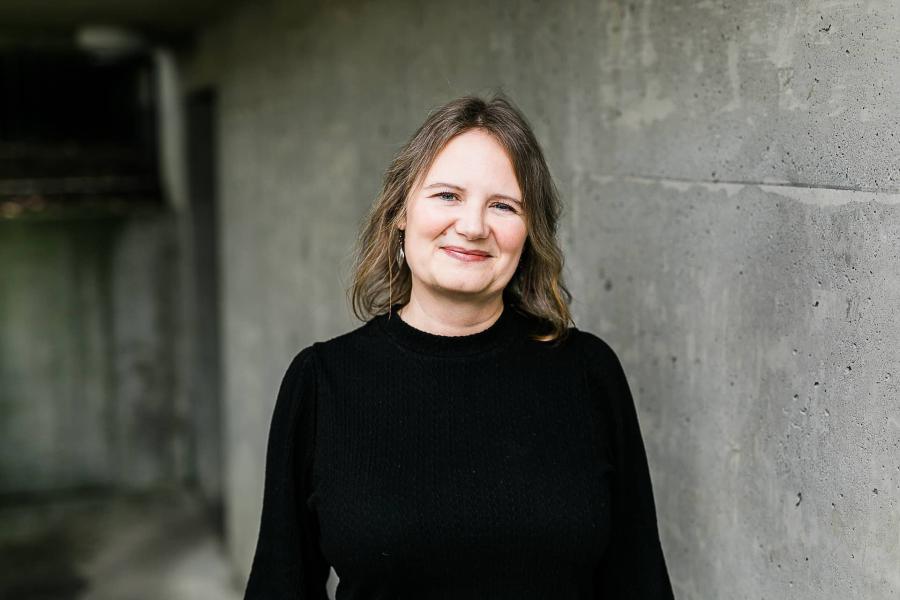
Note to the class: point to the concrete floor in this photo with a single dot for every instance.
(101, 546)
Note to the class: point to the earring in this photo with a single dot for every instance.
(401, 255)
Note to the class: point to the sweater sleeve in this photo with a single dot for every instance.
(288, 562)
(634, 566)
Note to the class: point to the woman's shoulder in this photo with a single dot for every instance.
(301, 365)
(591, 342)
(595, 350)
(343, 345)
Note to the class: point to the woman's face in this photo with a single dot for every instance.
(465, 224)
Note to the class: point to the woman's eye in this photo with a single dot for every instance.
(450, 196)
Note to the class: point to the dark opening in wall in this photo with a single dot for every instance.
(77, 134)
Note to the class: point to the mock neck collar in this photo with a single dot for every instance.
(497, 335)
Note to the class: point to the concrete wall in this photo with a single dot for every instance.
(731, 174)
(86, 361)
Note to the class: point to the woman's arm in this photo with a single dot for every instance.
(288, 562)
(634, 567)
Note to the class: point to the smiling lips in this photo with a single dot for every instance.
(466, 254)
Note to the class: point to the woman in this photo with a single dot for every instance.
(465, 442)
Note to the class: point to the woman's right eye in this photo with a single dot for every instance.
(446, 196)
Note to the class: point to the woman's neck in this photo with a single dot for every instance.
(451, 317)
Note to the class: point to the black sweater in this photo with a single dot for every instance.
(485, 466)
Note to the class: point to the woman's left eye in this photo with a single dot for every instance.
(505, 207)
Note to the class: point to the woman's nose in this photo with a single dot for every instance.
(471, 222)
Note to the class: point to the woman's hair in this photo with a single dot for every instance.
(537, 287)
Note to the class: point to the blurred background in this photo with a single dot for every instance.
(181, 184)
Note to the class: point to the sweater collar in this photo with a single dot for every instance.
(501, 331)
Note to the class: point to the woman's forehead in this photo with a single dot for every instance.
(472, 160)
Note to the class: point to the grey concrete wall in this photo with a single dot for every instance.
(731, 174)
(86, 361)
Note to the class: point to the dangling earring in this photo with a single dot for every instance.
(399, 258)
(401, 255)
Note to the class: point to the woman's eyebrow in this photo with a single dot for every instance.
(449, 185)
(462, 189)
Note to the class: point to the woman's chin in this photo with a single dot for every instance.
(473, 288)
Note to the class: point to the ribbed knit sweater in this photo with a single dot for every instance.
(484, 466)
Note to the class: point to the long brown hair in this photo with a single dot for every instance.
(537, 287)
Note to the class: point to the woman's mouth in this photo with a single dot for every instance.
(465, 254)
